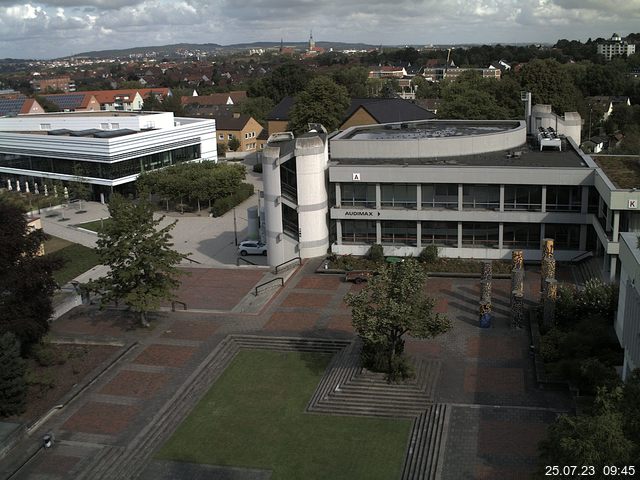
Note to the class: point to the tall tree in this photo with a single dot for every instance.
(26, 279)
(550, 83)
(13, 388)
(143, 265)
(323, 101)
(471, 97)
(354, 79)
(258, 108)
(391, 305)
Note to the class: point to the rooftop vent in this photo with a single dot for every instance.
(280, 137)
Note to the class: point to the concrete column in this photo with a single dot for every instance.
(608, 222)
(339, 232)
(541, 235)
(459, 234)
(501, 205)
(338, 194)
(500, 235)
(616, 226)
(544, 201)
(378, 232)
(460, 196)
(584, 204)
(613, 267)
(419, 234)
(583, 238)
(419, 198)
(378, 197)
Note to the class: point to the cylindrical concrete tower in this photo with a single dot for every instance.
(311, 162)
(273, 204)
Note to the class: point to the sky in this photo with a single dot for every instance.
(58, 28)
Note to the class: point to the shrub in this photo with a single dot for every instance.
(257, 168)
(429, 254)
(224, 204)
(47, 356)
(376, 253)
(375, 357)
(13, 387)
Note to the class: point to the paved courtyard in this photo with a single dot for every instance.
(486, 376)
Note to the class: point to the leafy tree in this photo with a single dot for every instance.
(596, 439)
(26, 279)
(234, 144)
(391, 305)
(354, 79)
(389, 89)
(79, 187)
(46, 104)
(471, 97)
(143, 265)
(286, 80)
(323, 101)
(549, 83)
(222, 149)
(258, 108)
(13, 388)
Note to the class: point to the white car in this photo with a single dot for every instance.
(252, 247)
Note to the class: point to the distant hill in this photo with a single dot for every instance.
(172, 50)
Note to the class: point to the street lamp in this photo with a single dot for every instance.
(235, 227)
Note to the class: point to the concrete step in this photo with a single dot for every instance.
(426, 444)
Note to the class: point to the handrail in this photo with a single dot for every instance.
(288, 261)
(244, 260)
(267, 283)
(582, 256)
(193, 261)
(173, 305)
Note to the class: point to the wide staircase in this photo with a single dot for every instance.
(345, 389)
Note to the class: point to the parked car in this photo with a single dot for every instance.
(252, 247)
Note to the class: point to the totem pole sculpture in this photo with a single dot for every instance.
(517, 288)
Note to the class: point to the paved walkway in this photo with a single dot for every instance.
(497, 413)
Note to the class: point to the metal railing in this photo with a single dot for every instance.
(267, 283)
(249, 262)
(193, 261)
(173, 305)
(287, 262)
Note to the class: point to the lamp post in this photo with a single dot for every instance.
(235, 227)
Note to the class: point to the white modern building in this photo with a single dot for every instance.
(111, 148)
(628, 319)
(615, 47)
(475, 189)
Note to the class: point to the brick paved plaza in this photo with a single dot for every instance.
(485, 375)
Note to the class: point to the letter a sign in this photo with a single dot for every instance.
(356, 177)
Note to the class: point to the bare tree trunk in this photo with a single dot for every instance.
(144, 321)
(198, 205)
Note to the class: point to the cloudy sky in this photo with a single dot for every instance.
(63, 27)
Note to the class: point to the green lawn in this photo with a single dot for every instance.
(93, 226)
(254, 417)
(78, 258)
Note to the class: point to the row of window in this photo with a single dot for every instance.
(474, 197)
(110, 171)
(474, 234)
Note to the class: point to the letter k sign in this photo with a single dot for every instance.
(633, 203)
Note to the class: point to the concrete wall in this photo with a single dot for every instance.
(84, 121)
(627, 322)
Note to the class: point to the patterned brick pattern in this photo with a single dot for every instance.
(101, 418)
(165, 355)
(306, 300)
(340, 322)
(191, 329)
(504, 348)
(135, 384)
(292, 321)
(494, 380)
(321, 282)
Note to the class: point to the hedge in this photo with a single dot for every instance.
(223, 205)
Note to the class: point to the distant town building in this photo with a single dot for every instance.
(54, 84)
(19, 105)
(74, 102)
(615, 47)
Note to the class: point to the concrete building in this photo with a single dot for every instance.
(475, 189)
(19, 105)
(111, 148)
(628, 319)
(64, 84)
(615, 47)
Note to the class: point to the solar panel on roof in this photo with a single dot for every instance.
(66, 102)
(11, 106)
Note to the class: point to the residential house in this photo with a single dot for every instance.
(19, 105)
(388, 71)
(606, 104)
(361, 111)
(128, 99)
(64, 83)
(74, 102)
(243, 127)
(230, 98)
